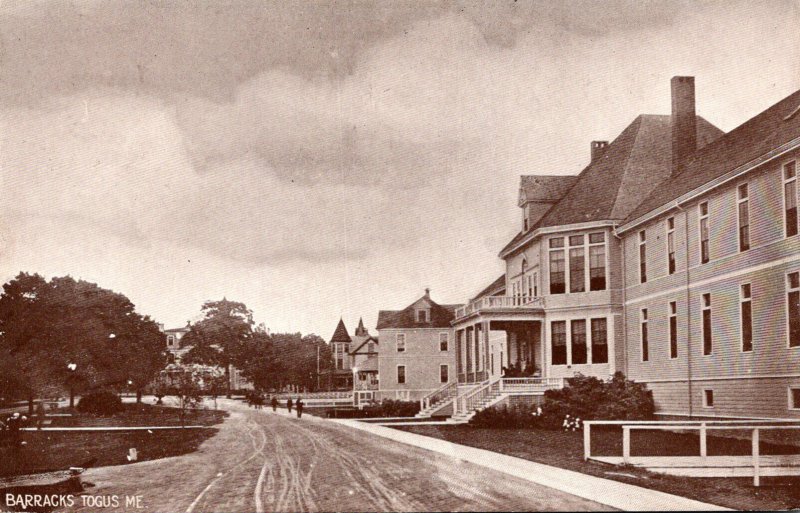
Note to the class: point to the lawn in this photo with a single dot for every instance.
(565, 450)
(54, 450)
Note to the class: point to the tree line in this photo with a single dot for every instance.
(67, 336)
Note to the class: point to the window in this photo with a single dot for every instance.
(597, 261)
(644, 337)
(444, 373)
(599, 341)
(744, 217)
(525, 216)
(422, 316)
(170, 340)
(642, 256)
(577, 263)
(558, 336)
(746, 315)
(535, 281)
(790, 197)
(443, 341)
(370, 347)
(707, 341)
(578, 328)
(401, 374)
(671, 245)
(793, 308)
(708, 398)
(794, 398)
(557, 274)
(704, 254)
(401, 342)
(673, 329)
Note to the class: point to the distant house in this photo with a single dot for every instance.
(364, 364)
(176, 350)
(340, 375)
(417, 354)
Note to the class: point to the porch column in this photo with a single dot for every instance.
(468, 340)
(458, 353)
(543, 349)
(486, 348)
(477, 337)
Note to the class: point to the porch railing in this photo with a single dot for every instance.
(498, 302)
(365, 385)
(523, 385)
(441, 395)
(471, 400)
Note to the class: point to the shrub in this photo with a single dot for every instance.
(102, 402)
(519, 416)
(589, 398)
(392, 408)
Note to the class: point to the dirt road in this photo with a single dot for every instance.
(261, 461)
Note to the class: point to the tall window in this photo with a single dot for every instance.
(673, 329)
(401, 342)
(557, 274)
(577, 263)
(443, 341)
(422, 316)
(746, 316)
(790, 197)
(525, 217)
(642, 256)
(671, 245)
(645, 339)
(599, 341)
(793, 308)
(170, 340)
(558, 336)
(707, 339)
(401, 374)
(578, 328)
(597, 261)
(704, 255)
(444, 373)
(744, 217)
(535, 280)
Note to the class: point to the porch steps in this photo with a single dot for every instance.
(432, 409)
(487, 402)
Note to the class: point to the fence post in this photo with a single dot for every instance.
(501, 384)
(422, 404)
(626, 444)
(587, 440)
(703, 446)
(756, 462)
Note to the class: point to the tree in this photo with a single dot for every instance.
(188, 392)
(221, 336)
(258, 360)
(73, 335)
(296, 359)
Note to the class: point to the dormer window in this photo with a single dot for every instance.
(525, 217)
(171, 340)
(422, 316)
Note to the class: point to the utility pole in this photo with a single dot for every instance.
(317, 367)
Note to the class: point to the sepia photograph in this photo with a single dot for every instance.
(399, 255)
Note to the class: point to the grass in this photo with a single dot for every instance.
(565, 450)
(53, 450)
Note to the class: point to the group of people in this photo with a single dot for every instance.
(257, 400)
(520, 370)
(11, 430)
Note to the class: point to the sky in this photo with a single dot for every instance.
(318, 160)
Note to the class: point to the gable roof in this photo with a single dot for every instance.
(440, 316)
(545, 188)
(614, 184)
(359, 342)
(768, 130)
(498, 285)
(341, 335)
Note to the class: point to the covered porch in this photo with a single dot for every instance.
(488, 348)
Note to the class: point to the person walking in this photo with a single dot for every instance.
(40, 415)
(289, 404)
(274, 403)
(299, 407)
(14, 429)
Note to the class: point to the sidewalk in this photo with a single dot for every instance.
(614, 494)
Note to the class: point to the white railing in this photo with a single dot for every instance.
(522, 385)
(314, 395)
(443, 394)
(754, 426)
(499, 302)
(472, 399)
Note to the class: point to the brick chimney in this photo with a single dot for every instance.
(684, 121)
(598, 148)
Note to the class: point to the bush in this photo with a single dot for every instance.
(519, 416)
(589, 398)
(392, 408)
(102, 402)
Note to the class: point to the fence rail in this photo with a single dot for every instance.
(755, 427)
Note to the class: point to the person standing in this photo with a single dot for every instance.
(40, 415)
(289, 404)
(274, 403)
(299, 407)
